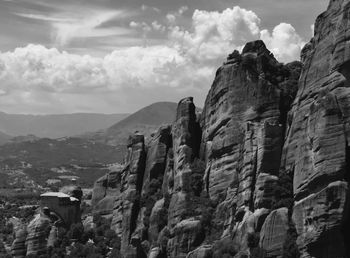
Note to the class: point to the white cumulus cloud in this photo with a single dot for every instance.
(284, 42)
(37, 78)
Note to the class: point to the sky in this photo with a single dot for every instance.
(113, 56)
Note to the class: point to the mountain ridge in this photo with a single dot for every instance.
(56, 125)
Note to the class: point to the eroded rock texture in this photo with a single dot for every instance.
(211, 175)
(18, 248)
(3, 251)
(106, 191)
(131, 188)
(264, 169)
(317, 147)
(243, 124)
(38, 232)
(274, 232)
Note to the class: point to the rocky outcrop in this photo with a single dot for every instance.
(274, 232)
(264, 167)
(132, 177)
(243, 128)
(183, 221)
(3, 251)
(38, 232)
(105, 192)
(243, 124)
(201, 252)
(226, 159)
(316, 151)
(18, 248)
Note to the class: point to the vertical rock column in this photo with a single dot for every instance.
(186, 141)
(131, 189)
(243, 136)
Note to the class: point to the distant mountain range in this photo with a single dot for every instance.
(4, 138)
(54, 126)
(84, 156)
(146, 121)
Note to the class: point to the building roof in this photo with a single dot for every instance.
(55, 194)
(59, 195)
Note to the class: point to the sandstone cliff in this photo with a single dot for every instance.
(262, 171)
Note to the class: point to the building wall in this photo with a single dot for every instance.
(69, 211)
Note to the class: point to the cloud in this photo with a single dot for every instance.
(39, 78)
(215, 34)
(146, 8)
(158, 27)
(173, 16)
(84, 23)
(284, 42)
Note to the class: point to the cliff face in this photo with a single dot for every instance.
(316, 151)
(263, 170)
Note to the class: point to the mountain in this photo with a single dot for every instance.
(4, 138)
(56, 126)
(146, 121)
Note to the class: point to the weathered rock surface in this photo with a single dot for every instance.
(131, 188)
(106, 190)
(274, 232)
(242, 125)
(204, 251)
(167, 184)
(18, 248)
(3, 251)
(38, 232)
(270, 150)
(317, 147)
(187, 234)
(157, 151)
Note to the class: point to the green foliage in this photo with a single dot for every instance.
(224, 248)
(148, 200)
(253, 240)
(283, 192)
(290, 248)
(196, 179)
(98, 242)
(76, 231)
(23, 209)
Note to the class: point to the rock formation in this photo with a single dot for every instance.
(18, 248)
(38, 232)
(264, 167)
(106, 189)
(316, 151)
(3, 251)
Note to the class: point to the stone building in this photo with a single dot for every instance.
(66, 207)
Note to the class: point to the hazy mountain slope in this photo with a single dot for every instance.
(56, 126)
(146, 121)
(56, 159)
(4, 138)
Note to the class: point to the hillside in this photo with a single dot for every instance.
(4, 138)
(56, 126)
(40, 161)
(146, 121)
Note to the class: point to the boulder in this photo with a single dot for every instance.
(274, 232)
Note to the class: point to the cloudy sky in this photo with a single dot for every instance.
(113, 56)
